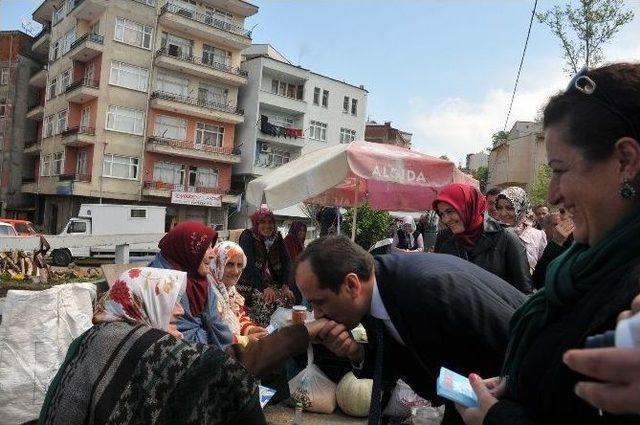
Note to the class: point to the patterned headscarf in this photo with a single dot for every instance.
(470, 205)
(520, 202)
(142, 295)
(261, 214)
(229, 300)
(184, 248)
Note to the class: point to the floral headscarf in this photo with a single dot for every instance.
(229, 300)
(520, 202)
(261, 214)
(142, 295)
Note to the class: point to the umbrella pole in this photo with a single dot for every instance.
(355, 211)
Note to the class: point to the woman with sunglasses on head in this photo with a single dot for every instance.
(481, 241)
(593, 149)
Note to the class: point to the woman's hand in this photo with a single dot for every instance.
(288, 294)
(475, 415)
(269, 294)
(314, 327)
(257, 332)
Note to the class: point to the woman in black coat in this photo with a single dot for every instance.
(483, 242)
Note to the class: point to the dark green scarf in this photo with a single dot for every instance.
(569, 277)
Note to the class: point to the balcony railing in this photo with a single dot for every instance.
(75, 177)
(30, 143)
(214, 65)
(90, 131)
(34, 105)
(27, 180)
(197, 102)
(94, 84)
(205, 19)
(159, 185)
(94, 38)
(44, 31)
(185, 144)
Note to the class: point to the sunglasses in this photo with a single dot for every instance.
(584, 84)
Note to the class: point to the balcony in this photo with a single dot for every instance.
(35, 112)
(86, 47)
(43, 13)
(184, 148)
(163, 190)
(32, 147)
(204, 27)
(79, 136)
(195, 66)
(84, 178)
(41, 41)
(196, 107)
(88, 10)
(285, 136)
(39, 79)
(82, 91)
(29, 185)
(284, 104)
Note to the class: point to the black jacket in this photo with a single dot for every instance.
(545, 384)
(498, 251)
(448, 312)
(550, 253)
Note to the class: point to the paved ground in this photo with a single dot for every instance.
(281, 414)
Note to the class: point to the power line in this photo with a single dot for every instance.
(524, 51)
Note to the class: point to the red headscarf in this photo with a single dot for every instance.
(184, 248)
(470, 205)
(292, 242)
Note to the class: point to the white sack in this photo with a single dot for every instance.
(313, 389)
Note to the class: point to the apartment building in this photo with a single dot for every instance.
(387, 135)
(140, 106)
(290, 110)
(17, 63)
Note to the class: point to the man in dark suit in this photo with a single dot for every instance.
(421, 312)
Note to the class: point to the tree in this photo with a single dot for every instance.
(371, 225)
(499, 137)
(482, 175)
(583, 29)
(539, 194)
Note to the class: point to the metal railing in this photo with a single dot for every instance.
(214, 65)
(197, 102)
(75, 177)
(44, 31)
(27, 180)
(31, 143)
(94, 38)
(80, 129)
(160, 185)
(186, 144)
(94, 84)
(205, 19)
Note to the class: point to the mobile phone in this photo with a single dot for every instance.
(456, 388)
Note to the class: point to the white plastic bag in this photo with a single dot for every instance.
(403, 398)
(36, 330)
(313, 389)
(280, 318)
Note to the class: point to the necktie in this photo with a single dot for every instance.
(376, 393)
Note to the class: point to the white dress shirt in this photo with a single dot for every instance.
(379, 311)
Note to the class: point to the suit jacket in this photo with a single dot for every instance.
(448, 311)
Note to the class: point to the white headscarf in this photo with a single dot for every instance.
(229, 300)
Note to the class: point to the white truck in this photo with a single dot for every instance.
(111, 219)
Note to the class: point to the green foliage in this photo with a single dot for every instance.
(583, 29)
(371, 225)
(499, 137)
(539, 194)
(482, 175)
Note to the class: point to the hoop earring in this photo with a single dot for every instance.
(627, 189)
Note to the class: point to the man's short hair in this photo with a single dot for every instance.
(547, 219)
(332, 258)
(540, 206)
(493, 191)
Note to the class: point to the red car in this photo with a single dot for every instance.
(22, 227)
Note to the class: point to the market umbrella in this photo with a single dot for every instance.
(348, 175)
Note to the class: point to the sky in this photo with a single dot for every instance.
(441, 69)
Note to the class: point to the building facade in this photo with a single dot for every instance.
(140, 106)
(477, 160)
(515, 161)
(17, 63)
(385, 134)
(290, 111)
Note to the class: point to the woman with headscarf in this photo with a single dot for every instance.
(483, 242)
(264, 281)
(407, 238)
(226, 267)
(188, 247)
(513, 209)
(294, 241)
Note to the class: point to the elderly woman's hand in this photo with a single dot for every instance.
(288, 294)
(269, 294)
(485, 391)
(257, 332)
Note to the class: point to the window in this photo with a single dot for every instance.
(65, 80)
(85, 117)
(123, 167)
(3, 110)
(347, 135)
(67, 40)
(316, 96)
(204, 177)
(126, 120)
(55, 50)
(51, 88)
(286, 89)
(135, 213)
(354, 106)
(129, 76)
(170, 127)
(325, 98)
(62, 122)
(4, 76)
(345, 105)
(212, 95)
(318, 131)
(168, 172)
(173, 85)
(133, 33)
(77, 227)
(209, 134)
(95, 28)
(81, 162)
(57, 163)
(47, 128)
(177, 46)
(212, 55)
(270, 156)
(45, 166)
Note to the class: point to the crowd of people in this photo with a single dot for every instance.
(498, 291)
